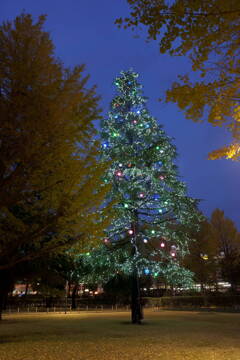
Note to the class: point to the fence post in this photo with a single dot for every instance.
(87, 308)
(36, 309)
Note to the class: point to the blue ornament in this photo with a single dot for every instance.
(105, 145)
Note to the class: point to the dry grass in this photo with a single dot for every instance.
(165, 335)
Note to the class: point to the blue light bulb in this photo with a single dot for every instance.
(146, 271)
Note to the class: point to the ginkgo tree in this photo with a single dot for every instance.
(50, 192)
(208, 33)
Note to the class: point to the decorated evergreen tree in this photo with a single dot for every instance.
(152, 211)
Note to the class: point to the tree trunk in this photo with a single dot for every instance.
(6, 284)
(74, 292)
(136, 306)
(26, 289)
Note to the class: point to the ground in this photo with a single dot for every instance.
(165, 335)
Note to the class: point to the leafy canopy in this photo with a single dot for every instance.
(50, 193)
(208, 33)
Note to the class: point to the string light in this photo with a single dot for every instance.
(147, 271)
(145, 240)
(162, 244)
(119, 173)
(130, 231)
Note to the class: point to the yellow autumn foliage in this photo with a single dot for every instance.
(50, 178)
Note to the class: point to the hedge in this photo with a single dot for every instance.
(195, 301)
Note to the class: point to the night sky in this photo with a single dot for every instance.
(83, 31)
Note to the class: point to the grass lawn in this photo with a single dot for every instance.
(168, 335)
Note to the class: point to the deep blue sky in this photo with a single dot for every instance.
(83, 31)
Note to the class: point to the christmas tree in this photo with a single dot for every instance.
(152, 211)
